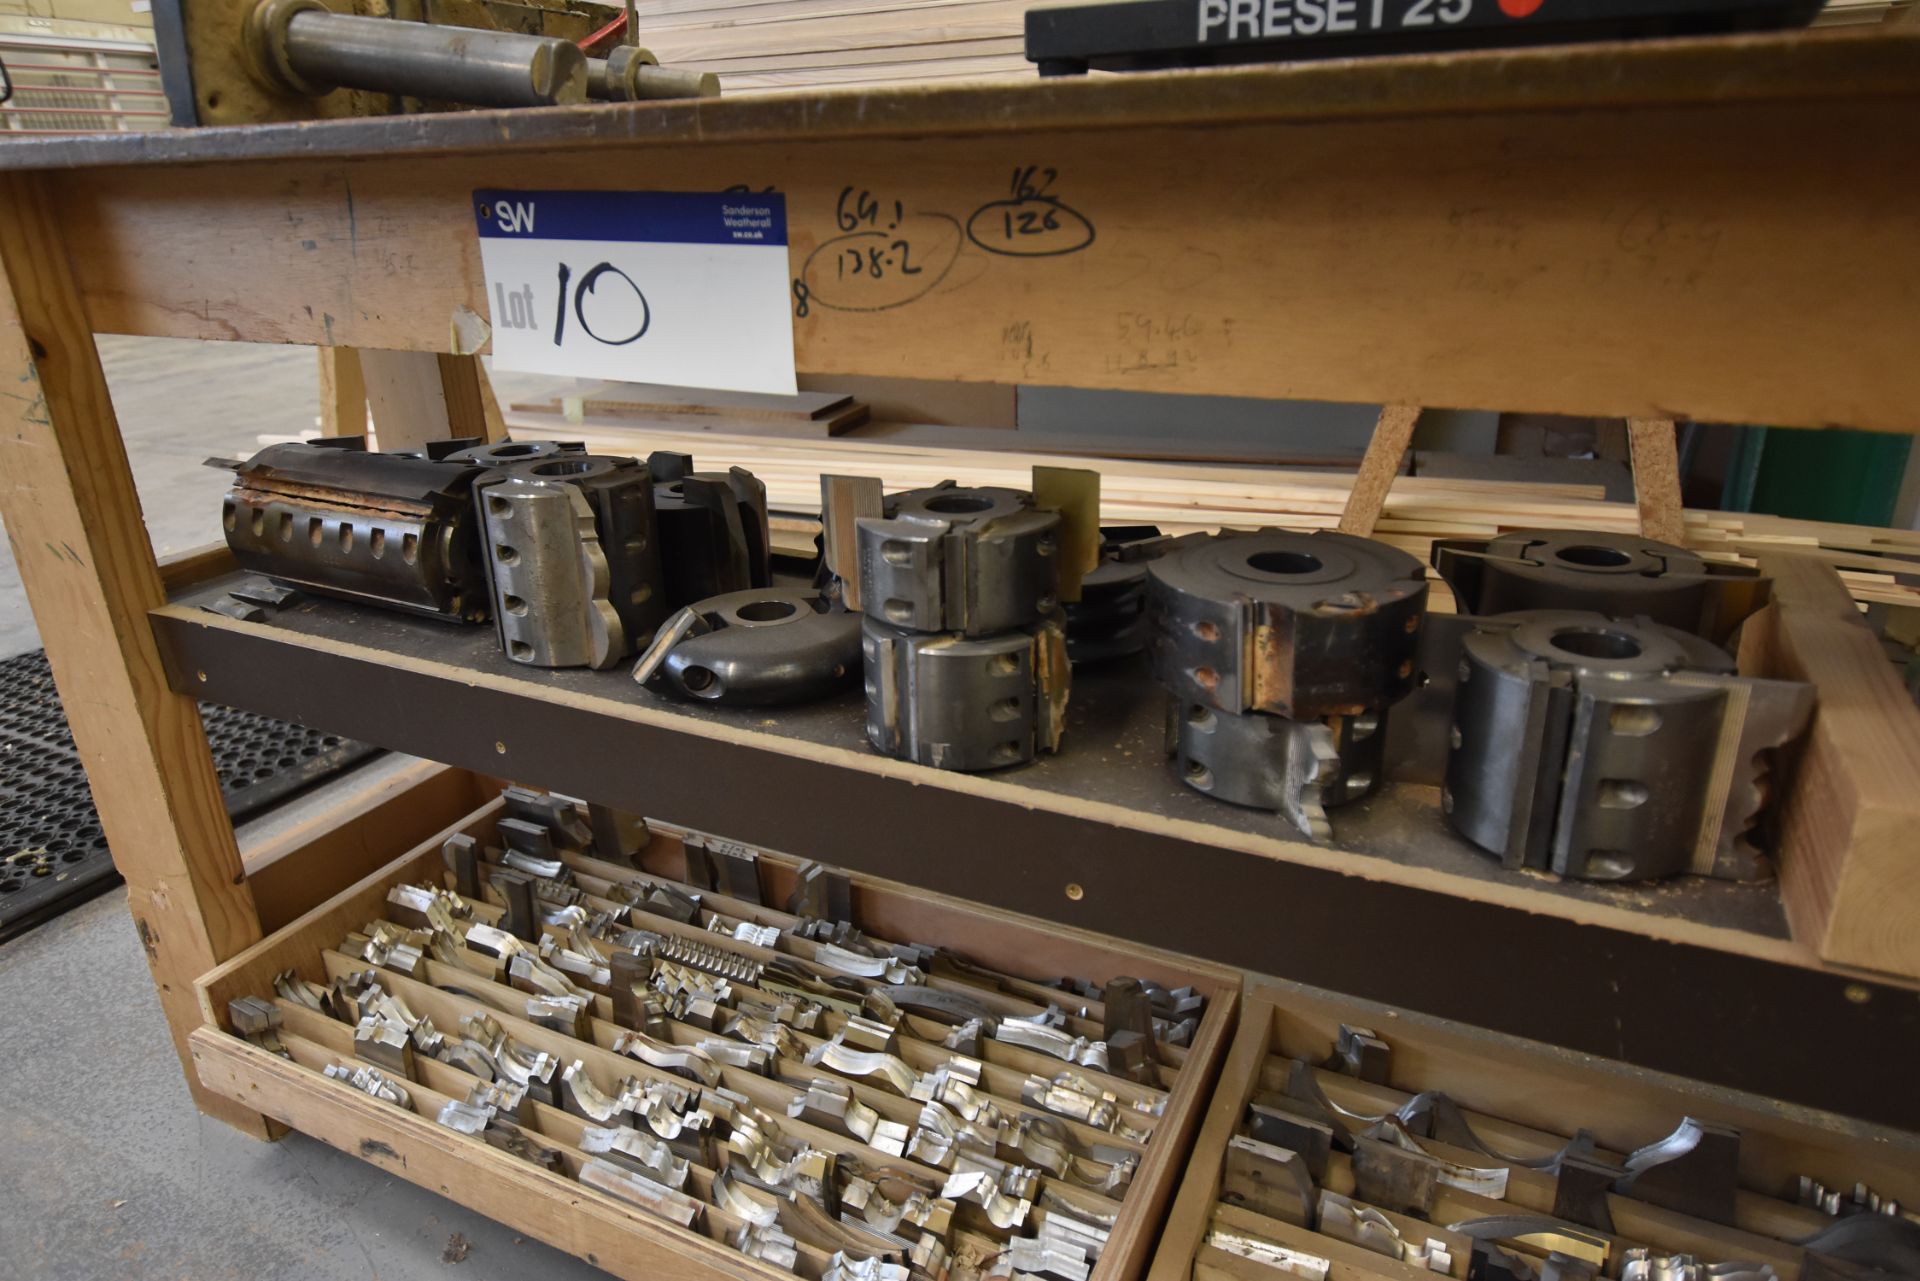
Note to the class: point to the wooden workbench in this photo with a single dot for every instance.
(1723, 230)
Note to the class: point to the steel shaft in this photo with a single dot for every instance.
(451, 64)
(632, 74)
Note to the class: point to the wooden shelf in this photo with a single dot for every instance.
(1715, 229)
(1400, 910)
(1792, 66)
(1590, 230)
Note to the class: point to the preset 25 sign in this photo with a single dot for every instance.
(683, 288)
(1232, 20)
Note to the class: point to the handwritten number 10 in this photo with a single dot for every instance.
(583, 291)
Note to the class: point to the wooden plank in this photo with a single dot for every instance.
(1791, 66)
(495, 421)
(1172, 1139)
(335, 847)
(1189, 497)
(855, 63)
(73, 516)
(890, 17)
(416, 397)
(987, 21)
(343, 392)
(1349, 1262)
(844, 502)
(546, 1206)
(830, 409)
(1850, 825)
(943, 73)
(297, 945)
(317, 1042)
(924, 401)
(184, 569)
(1074, 492)
(461, 379)
(1193, 1205)
(1392, 437)
(681, 13)
(1656, 479)
(1508, 265)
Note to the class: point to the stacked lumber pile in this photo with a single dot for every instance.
(759, 46)
(1879, 565)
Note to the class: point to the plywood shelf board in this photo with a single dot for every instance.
(1106, 814)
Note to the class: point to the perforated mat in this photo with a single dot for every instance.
(52, 851)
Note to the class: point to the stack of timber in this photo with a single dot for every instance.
(760, 46)
(1879, 566)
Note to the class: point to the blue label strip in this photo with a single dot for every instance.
(656, 217)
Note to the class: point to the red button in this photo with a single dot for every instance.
(1519, 8)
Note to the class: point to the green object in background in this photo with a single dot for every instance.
(1852, 477)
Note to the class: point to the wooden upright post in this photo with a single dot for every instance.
(343, 392)
(1368, 497)
(1656, 479)
(418, 396)
(421, 395)
(1847, 823)
(67, 495)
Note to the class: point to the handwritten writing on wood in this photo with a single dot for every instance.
(886, 256)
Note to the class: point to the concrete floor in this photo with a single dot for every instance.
(180, 402)
(106, 1168)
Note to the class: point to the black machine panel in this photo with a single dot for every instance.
(1136, 35)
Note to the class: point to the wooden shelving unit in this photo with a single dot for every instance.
(1719, 229)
